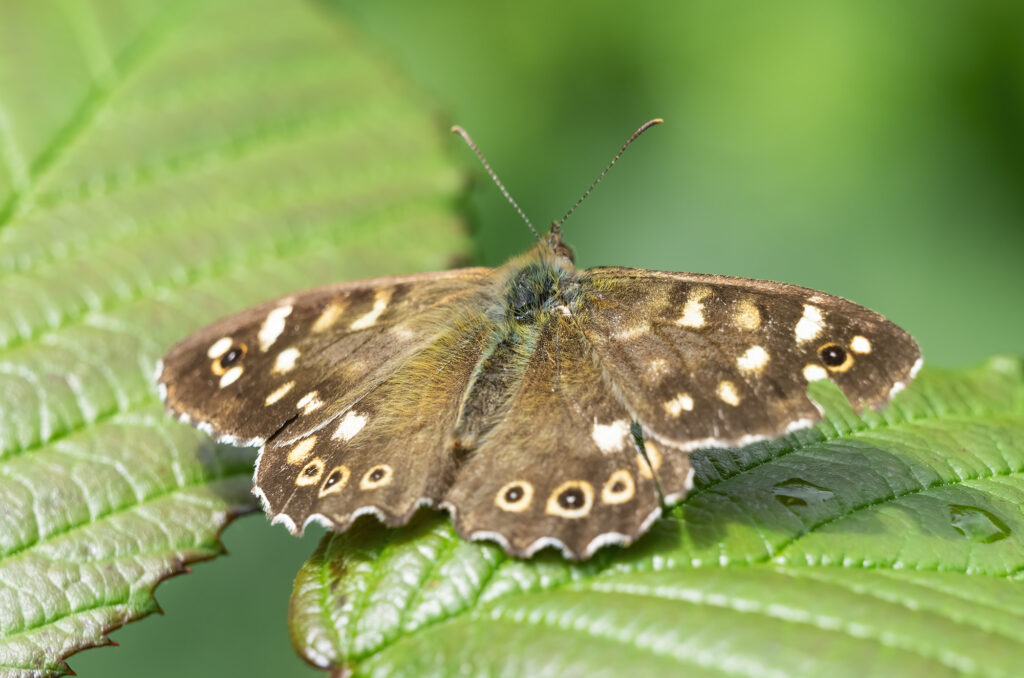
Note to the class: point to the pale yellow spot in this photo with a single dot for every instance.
(619, 488)
(677, 405)
(511, 503)
(285, 360)
(555, 508)
(860, 344)
(279, 393)
(380, 302)
(309, 403)
(638, 330)
(693, 310)
(814, 372)
(328, 317)
(336, 481)
(610, 437)
(378, 476)
(272, 327)
(311, 473)
(351, 424)
(753, 360)
(727, 392)
(810, 325)
(231, 376)
(298, 454)
(746, 315)
(219, 347)
(649, 466)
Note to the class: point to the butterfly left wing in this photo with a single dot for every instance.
(306, 355)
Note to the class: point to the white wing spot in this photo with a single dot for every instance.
(638, 330)
(814, 372)
(753, 360)
(328, 317)
(309, 402)
(285, 360)
(219, 347)
(727, 392)
(350, 425)
(810, 325)
(657, 368)
(693, 310)
(676, 406)
(231, 376)
(273, 326)
(860, 344)
(298, 454)
(380, 303)
(281, 392)
(610, 437)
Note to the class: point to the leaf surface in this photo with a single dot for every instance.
(162, 164)
(890, 543)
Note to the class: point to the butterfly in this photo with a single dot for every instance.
(541, 405)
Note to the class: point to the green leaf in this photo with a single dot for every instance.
(885, 544)
(161, 164)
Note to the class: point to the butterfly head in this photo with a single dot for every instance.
(553, 243)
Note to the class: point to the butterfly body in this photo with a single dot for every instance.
(540, 404)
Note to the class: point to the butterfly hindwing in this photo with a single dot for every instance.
(245, 376)
(560, 467)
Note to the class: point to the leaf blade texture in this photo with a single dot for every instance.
(160, 167)
(890, 543)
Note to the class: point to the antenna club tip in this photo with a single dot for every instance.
(456, 129)
(657, 121)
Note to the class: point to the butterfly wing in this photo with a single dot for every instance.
(307, 356)
(707, 360)
(559, 467)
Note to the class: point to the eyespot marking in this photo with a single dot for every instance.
(693, 309)
(835, 357)
(285, 360)
(227, 359)
(677, 405)
(753, 360)
(619, 488)
(310, 473)
(572, 499)
(298, 454)
(378, 476)
(351, 424)
(514, 497)
(336, 481)
(810, 325)
(272, 327)
(280, 392)
(860, 344)
(727, 393)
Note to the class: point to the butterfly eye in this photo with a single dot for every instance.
(835, 357)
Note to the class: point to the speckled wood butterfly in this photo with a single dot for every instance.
(539, 404)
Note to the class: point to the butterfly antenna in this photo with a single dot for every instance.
(487, 166)
(643, 128)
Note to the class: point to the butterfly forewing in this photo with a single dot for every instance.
(247, 375)
(705, 360)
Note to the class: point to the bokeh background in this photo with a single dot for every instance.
(867, 148)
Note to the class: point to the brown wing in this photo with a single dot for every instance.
(704, 360)
(559, 468)
(307, 355)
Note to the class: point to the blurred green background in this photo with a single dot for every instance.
(871, 149)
